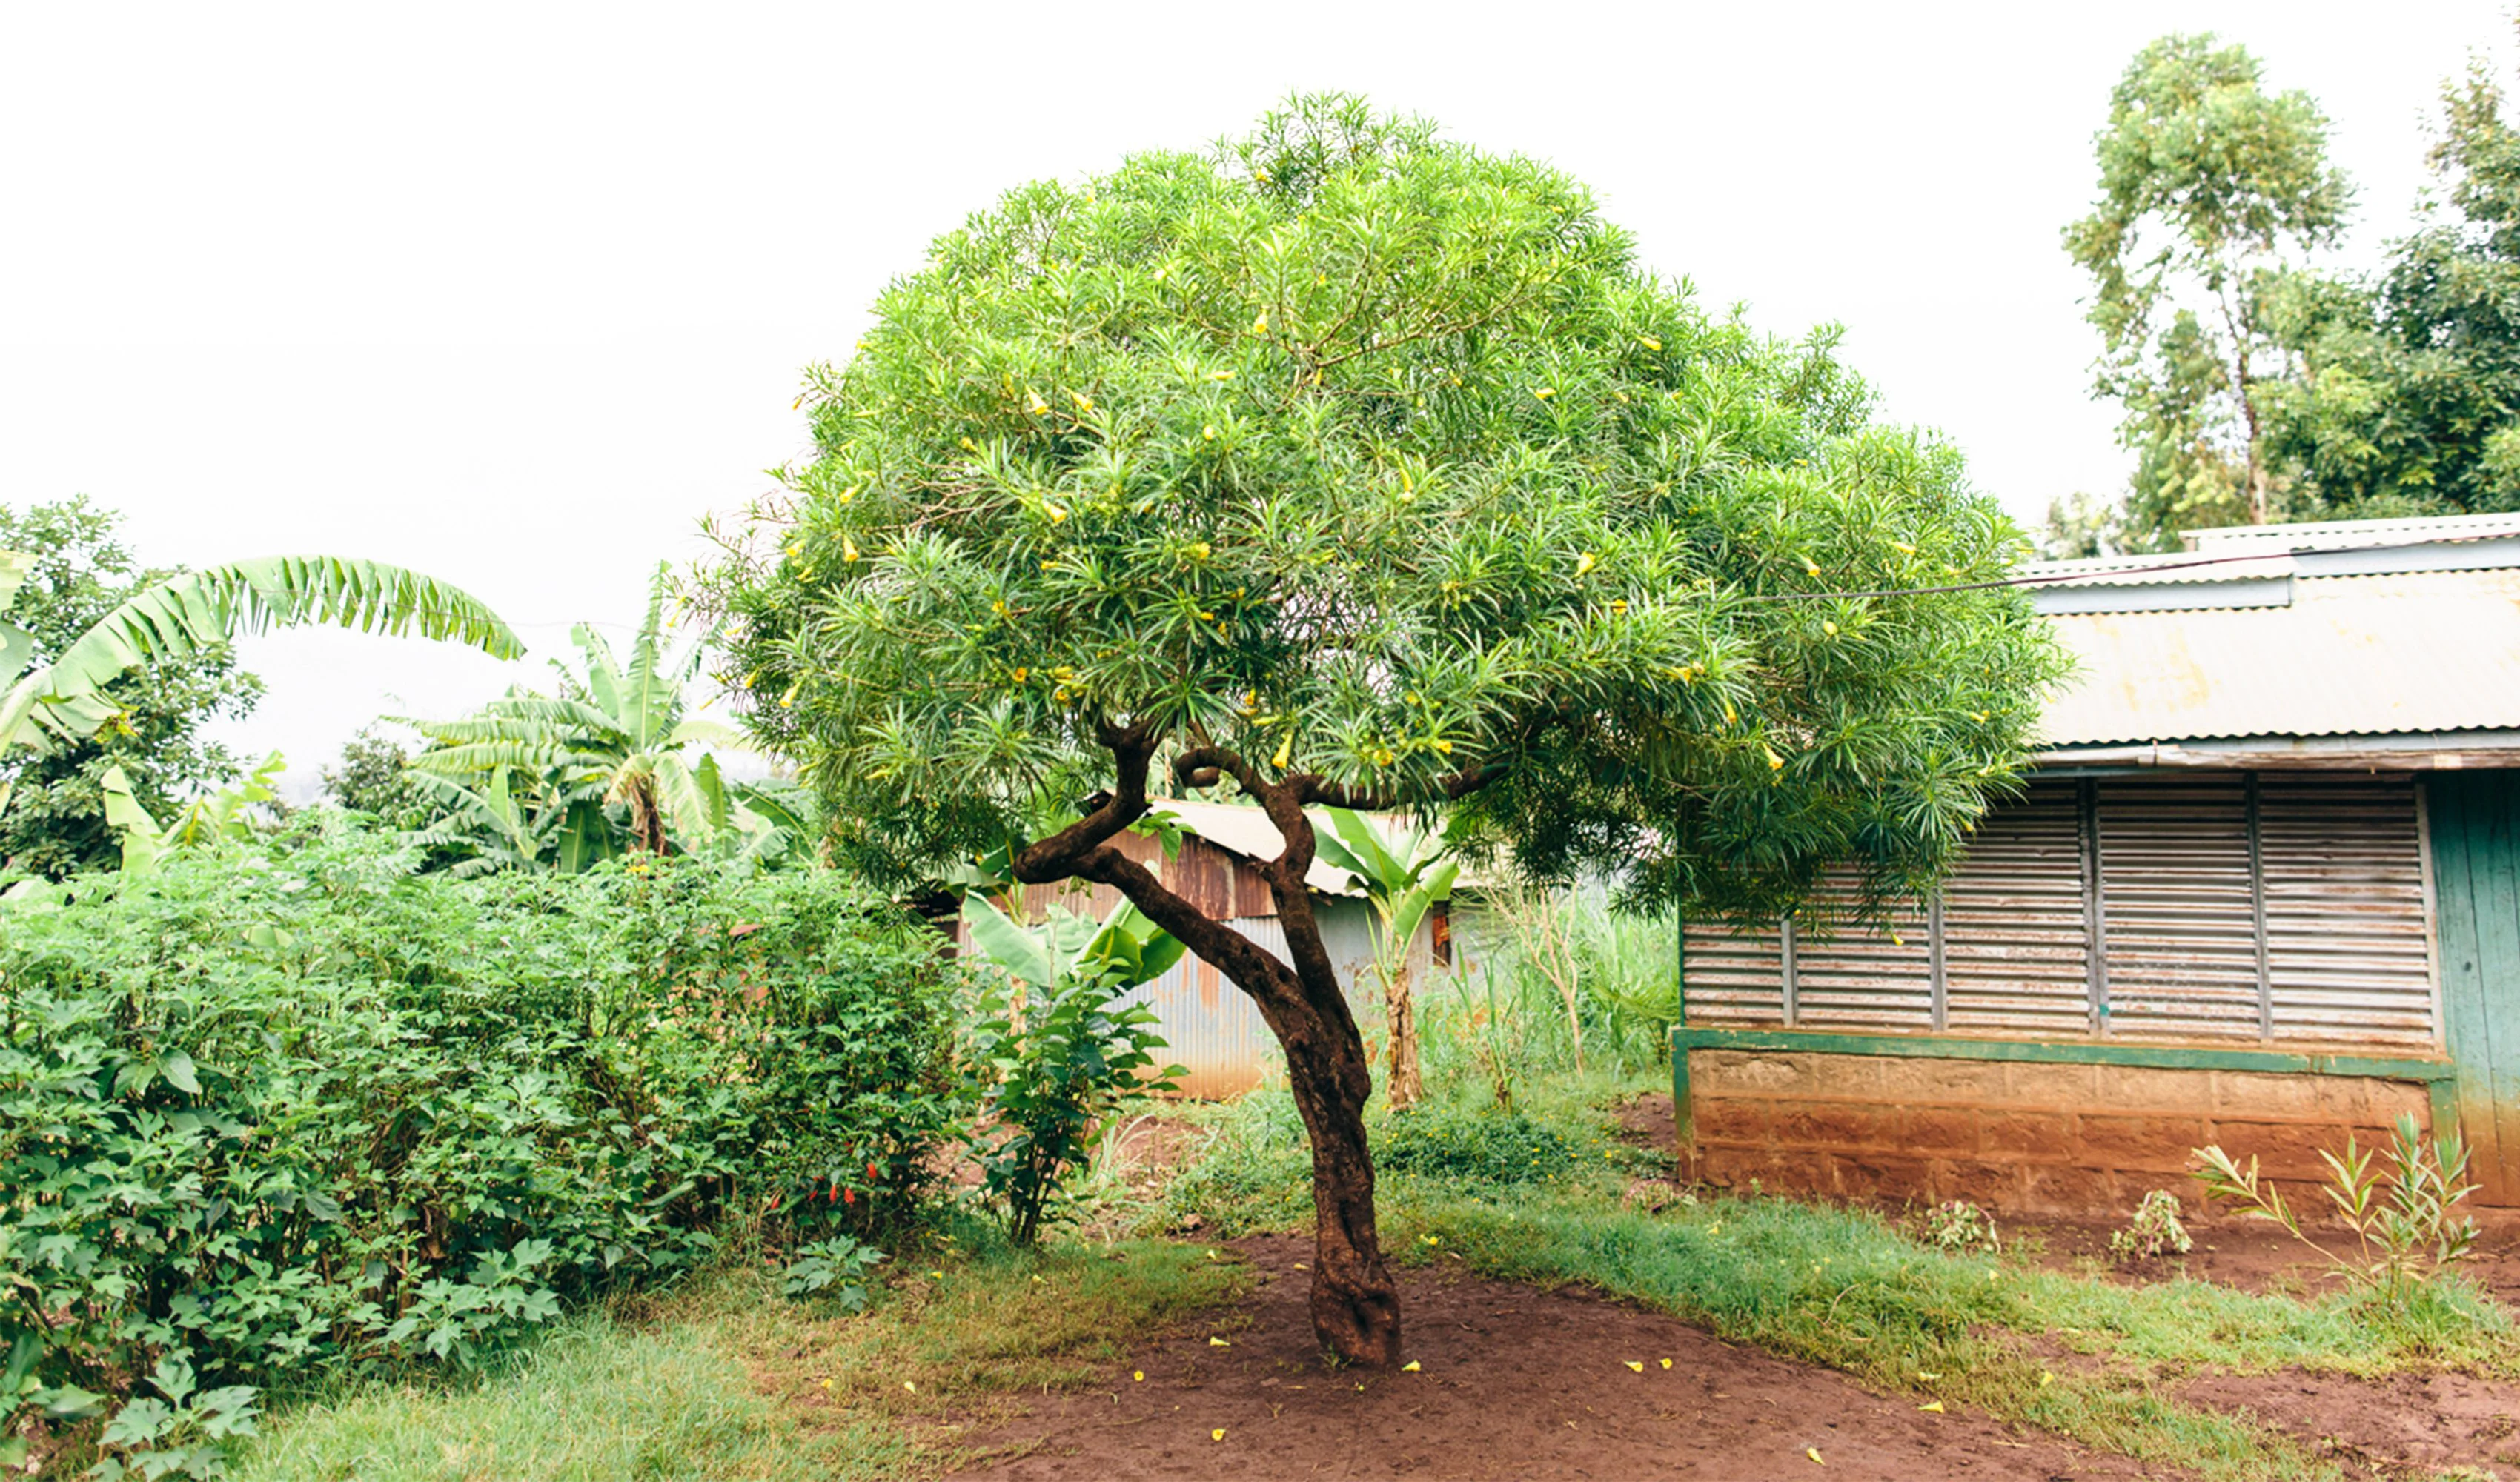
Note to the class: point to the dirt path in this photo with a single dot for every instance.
(1516, 1383)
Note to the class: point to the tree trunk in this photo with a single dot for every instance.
(1355, 1303)
(1403, 1087)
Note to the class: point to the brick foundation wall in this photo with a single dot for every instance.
(2036, 1138)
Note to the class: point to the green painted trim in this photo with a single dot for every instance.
(1937, 1046)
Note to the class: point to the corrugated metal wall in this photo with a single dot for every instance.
(2229, 907)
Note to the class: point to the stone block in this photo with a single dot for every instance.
(1992, 1185)
(2284, 1149)
(2260, 1095)
(1939, 1130)
(1832, 1124)
(2068, 1189)
(2141, 1141)
(1735, 1167)
(1724, 1119)
(1925, 1080)
(1883, 1176)
(2392, 1099)
(2044, 1136)
(1750, 1073)
(2052, 1087)
(2145, 1088)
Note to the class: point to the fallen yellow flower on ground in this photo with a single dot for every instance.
(1635, 1365)
(1928, 1378)
(1410, 1368)
(1666, 1364)
(1813, 1451)
(910, 1386)
(1218, 1343)
(1216, 1435)
(1137, 1376)
(1932, 1407)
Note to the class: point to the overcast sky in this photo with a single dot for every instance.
(513, 294)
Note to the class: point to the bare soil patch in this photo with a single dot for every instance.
(1514, 1382)
(2405, 1424)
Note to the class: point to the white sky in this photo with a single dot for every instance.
(513, 294)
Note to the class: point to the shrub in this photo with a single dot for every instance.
(279, 1107)
(1957, 1225)
(2404, 1218)
(2154, 1232)
(1449, 1142)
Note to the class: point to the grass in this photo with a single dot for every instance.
(727, 1379)
(2088, 1358)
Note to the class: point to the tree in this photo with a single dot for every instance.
(1349, 466)
(609, 764)
(55, 823)
(372, 776)
(2409, 380)
(1403, 878)
(2210, 188)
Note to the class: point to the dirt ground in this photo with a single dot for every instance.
(1516, 1383)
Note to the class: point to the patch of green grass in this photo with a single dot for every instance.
(2075, 1354)
(727, 1380)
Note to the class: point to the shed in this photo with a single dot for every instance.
(2262, 890)
(1210, 1028)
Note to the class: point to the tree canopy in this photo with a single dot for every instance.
(1346, 464)
(2211, 188)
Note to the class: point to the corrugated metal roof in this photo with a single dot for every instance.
(2379, 655)
(1247, 831)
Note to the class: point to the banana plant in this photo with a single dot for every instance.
(220, 815)
(1404, 877)
(620, 736)
(65, 701)
(1122, 949)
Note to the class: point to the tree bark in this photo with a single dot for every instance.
(1355, 1303)
(1404, 1086)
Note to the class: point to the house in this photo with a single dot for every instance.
(2262, 890)
(1210, 1028)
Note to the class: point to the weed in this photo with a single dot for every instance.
(2153, 1232)
(1957, 1227)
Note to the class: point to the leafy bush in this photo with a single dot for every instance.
(1957, 1225)
(274, 1109)
(2154, 1232)
(1498, 1148)
(2405, 1219)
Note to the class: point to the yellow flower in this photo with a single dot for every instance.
(1137, 1376)
(1648, 342)
(1216, 1435)
(1544, 392)
(1811, 567)
(1285, 752)
(1260, 326)
(1084, 403)
(1730, 715)
(1020, 676)
(1928, 1378)
(1932, 1407)
(1775, 763)
(789, 699)
(1827, 627)
(1666, 1364)
(910, 1385)
(1321, 277)
(1813, 1451)
(1056, 514)
(1433, 1240)
(1214, 1342)
(1220, 374)
(1636, 1365)
(848, 549)
(796, 550)
(1034, 404)
(1585, 562)
(1208, 431)
(1903, 548)
(1201, 550)
(1444, 747)
(968, 446)
(1618, 605)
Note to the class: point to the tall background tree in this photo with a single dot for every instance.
(55, 820)
(2410, 382)
(1347, 464)
(2212, 190)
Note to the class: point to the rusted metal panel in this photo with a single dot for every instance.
(2014, 947)
(1735, 977)
(2181, 933)
(2347, 941)
(1851, 976)
(1211, 1028)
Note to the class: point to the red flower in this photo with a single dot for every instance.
(850, 1196)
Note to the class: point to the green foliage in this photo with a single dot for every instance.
(1957, 1227)
(1444, 1141)
(1363, 454)
(2405, 1219)
(2210, 188)
(53, 822)
(2409, 378)
(1403, 877)
(1055, 1048)
(611, 764)
(286, 1108)
(2154, 1231)
(373, 777)
(838, 1268)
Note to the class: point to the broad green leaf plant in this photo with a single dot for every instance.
(1056, 1048)
(1348, 465)
(614, 763)
(63, 700)
(1404, 877)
